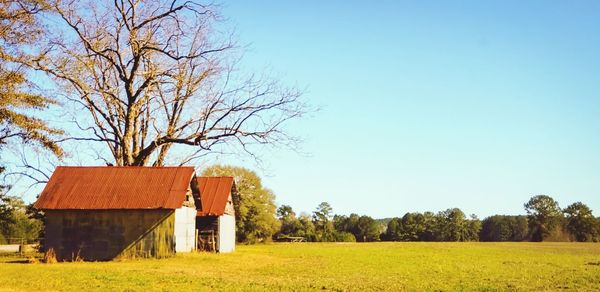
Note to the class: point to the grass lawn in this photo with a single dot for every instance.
(330, 266)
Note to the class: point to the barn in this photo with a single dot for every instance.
(103, 213)
(216, 215)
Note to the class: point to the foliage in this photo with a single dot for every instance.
(363, 228)
(290, 225)
(325, 231)
(18, 26)
(342, 236)
(15, 222)
(381, 266)
(254, 204)
(6, 215)
(504, 228)
(544, 216)
(581, 222)
(449, 225)
(308, 230)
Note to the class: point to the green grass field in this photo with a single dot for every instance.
(329, 266)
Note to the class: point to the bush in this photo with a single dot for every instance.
(344, 237)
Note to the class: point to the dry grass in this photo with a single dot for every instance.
(338, 267)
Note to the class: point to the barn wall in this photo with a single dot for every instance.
(108, 234)
(226, 233)
(185, 229)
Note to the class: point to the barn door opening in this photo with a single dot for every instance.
(207, 241)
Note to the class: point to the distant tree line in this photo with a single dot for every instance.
(545, 221)
(259, 220)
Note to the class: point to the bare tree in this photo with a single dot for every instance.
(155, 74)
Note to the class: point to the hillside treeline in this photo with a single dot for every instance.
(545, 221)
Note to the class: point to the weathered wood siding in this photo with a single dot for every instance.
(110, 234)
(229, 209)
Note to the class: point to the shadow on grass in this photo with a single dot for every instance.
(25, 261)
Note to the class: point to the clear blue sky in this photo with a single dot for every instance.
(428, 105)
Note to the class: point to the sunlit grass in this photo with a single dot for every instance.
(330, 266)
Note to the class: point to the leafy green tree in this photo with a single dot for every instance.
(290, 225)
(254, 204)
(451, 225)
(6, 216)
(504, 228)
(544, 216)
(580, 221)
(473, 227)
(344, 223)
(14, 220)
(367, 229)
(393, 230)
(430, 227)
(308, 229)
(412, 226)
(362, 228)
(322, 216)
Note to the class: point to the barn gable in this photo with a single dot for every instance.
(216, 215)
(216, 196)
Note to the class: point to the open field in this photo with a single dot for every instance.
(330, 266)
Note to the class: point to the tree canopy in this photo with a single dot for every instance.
(544, 216)
(581, 222)
(254, 204)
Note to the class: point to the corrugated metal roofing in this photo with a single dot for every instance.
(111, 187)
(214, 192)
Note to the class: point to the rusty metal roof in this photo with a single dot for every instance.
(111, 187)
(214, 192)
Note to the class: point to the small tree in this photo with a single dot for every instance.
(544, 216)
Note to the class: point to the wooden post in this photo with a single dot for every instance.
(213, 245)
(196, 240)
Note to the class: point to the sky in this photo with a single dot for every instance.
(428, 105)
